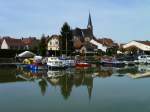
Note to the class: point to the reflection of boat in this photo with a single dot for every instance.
(55, 63)
(55, 74)
(83, 64)
(30, 74)
(112, 62)
(38, 66)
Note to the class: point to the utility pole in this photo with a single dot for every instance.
(66, 43)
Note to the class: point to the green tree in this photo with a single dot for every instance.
(42, 46)
(67, 39)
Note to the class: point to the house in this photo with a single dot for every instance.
(11, 43)
(99, 46)
(139, 46)
(30, 42)
(109, 43)
(53, 43)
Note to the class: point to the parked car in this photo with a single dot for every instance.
(144, 59)
(127, 58)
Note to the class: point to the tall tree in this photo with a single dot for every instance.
(67, 38)
(42, 46)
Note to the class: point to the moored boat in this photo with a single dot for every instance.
(68, 62)
(83, 64)
(112, 62)
(55, 63)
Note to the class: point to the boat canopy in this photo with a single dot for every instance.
(26, 54)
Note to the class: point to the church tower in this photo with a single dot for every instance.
(90, 26)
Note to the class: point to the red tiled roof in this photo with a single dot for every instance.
(144, 42)
(107, 42)
(13, 42)
(28, 41)
(53, 36)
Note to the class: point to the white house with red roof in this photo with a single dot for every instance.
(11, 43)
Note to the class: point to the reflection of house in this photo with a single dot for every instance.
(143, 46)
(67, 82)
(53, 43)
(11, 43)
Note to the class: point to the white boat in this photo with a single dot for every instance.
(68, 62)
(55, 63)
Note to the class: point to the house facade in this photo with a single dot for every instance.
(30, 42)
(53, 43)
(11, 43)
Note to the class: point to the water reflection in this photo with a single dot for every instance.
(143, 72)
(43, 85)
(67, 79)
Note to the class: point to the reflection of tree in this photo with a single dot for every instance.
(132, 70)
(66, 84)
(43, 85)
(8, 75)
(104, 74)
(88, 81)
(78, 79)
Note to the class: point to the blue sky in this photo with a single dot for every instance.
(121, 20)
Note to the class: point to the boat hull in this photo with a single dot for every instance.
(37, 67)
(83, 65)
(113, 64)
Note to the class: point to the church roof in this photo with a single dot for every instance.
(82, 33)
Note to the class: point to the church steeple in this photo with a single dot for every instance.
(90, 26)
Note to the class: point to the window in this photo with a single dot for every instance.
(56, 42)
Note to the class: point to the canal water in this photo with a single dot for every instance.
(99, 89)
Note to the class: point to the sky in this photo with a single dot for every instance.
(120, 20)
